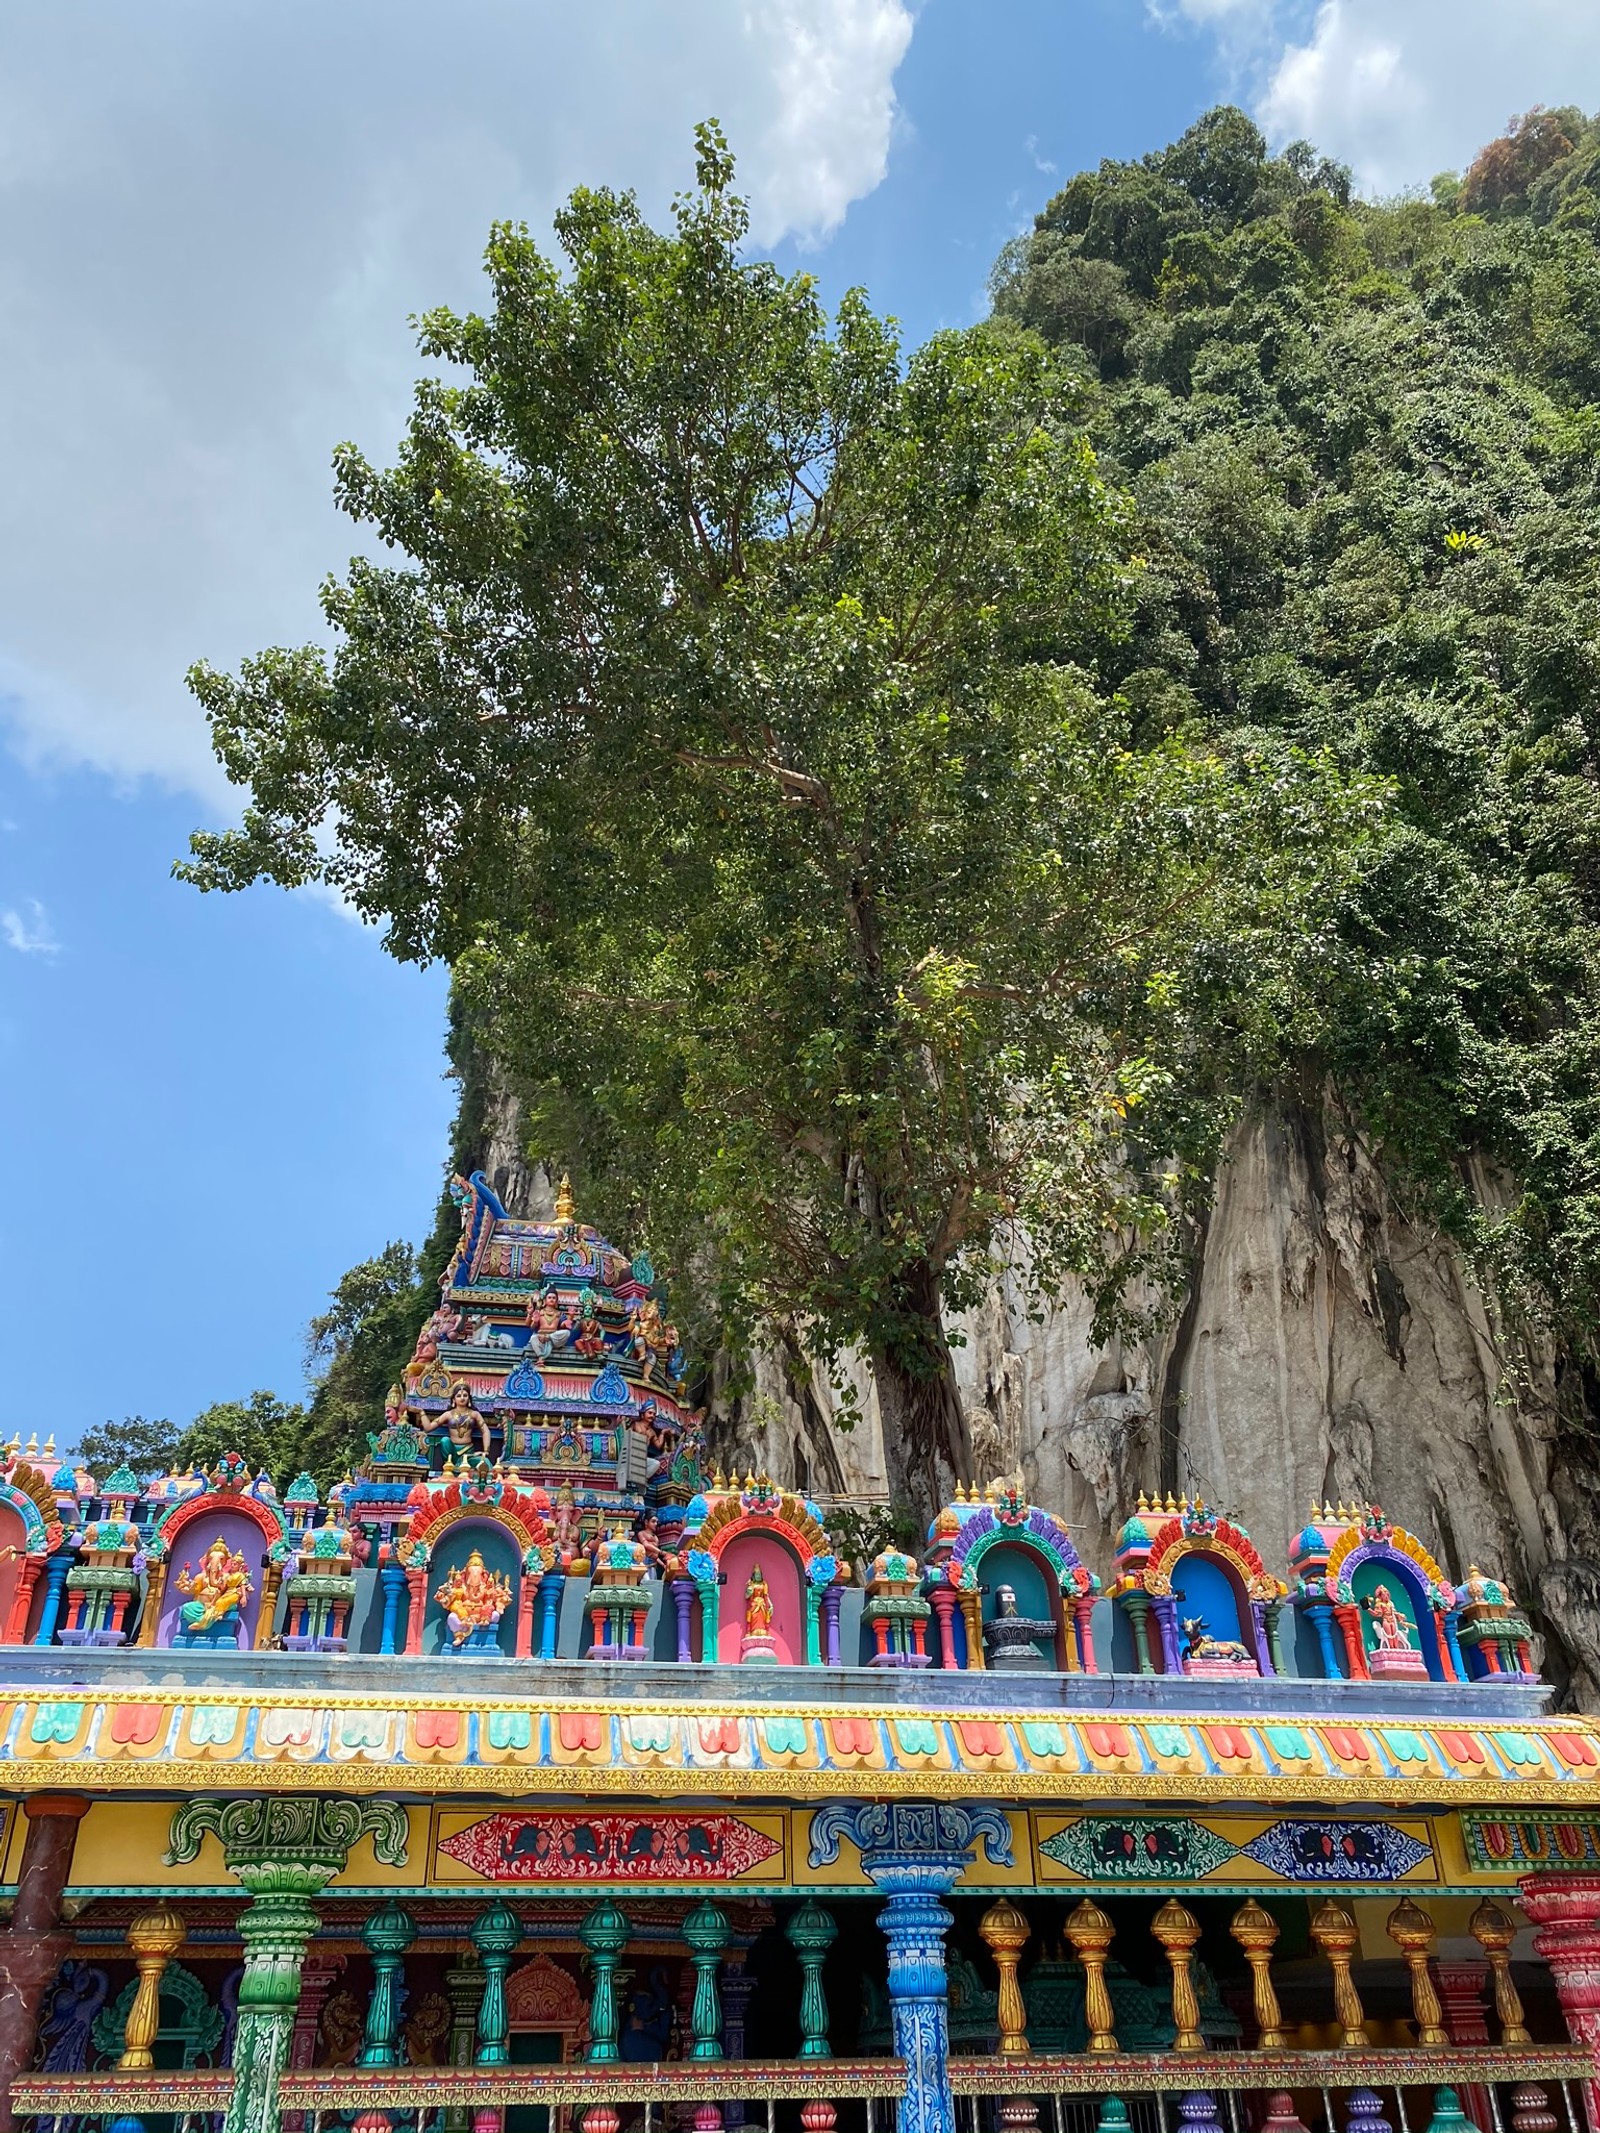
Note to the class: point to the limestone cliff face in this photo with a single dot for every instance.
(1325, 1349)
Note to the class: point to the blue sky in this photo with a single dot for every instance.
(213, 224)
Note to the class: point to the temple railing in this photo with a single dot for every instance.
(1065, 2091)
(430, 2096)
(1070, 2087)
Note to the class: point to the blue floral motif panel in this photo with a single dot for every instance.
(1337, 1851)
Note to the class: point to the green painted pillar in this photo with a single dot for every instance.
(388, 1933)
(283, 1851)
(604, 1934)
(496, 1934)
(1138, 1606)
(811, 1933)
(706, 1931)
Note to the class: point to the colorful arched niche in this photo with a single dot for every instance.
(1184, 1550)
(27, 1538)
(1375, 1553)
(1009, 1535)
(745, 1529)
(183, 1534)
(502, 1557)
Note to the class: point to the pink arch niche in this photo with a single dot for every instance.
(240, 1519)
(780, 1566)
(27, 1538)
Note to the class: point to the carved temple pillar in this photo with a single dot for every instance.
(915, 1853)
(737, 1987)
(944, 1607)
(1466, 2018)
(283, 1852)
(388, 1933)
(463, 1984)
(32, 1947)
(1566, 1910)
(318, 1975)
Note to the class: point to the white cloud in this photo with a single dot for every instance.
(214, 223)
(28, 929)
(1403, 91)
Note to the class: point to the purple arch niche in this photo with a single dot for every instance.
(190, 1543)
(1380, 1556)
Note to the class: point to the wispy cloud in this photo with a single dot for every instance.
(1031, 144)
(27, 928)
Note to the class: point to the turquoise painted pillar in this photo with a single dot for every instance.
(388, 1933)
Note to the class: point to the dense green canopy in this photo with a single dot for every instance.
(1361, 438)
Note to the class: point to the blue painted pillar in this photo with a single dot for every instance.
(551, 1587)
(55, 1583)
(1321, 1618)
(393, 1580)
(1451, 1620)
(915, 1852)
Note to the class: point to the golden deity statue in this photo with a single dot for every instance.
(473, 1597)
(217, 1586)
(757, 1605)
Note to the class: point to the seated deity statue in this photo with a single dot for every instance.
(473, 1598)
(589, 1340)
(549, 1327)
(217, 1587)
(649, 1338)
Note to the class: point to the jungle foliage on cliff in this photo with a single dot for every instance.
(1361, 439)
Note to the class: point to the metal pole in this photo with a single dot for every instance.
(1400, 2108)
(1566, 2098)
(1494, 2106)
(1327, 2110)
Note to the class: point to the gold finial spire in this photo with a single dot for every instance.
(566, 1205)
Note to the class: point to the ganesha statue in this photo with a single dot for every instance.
(474, 1598)
(216, 1589)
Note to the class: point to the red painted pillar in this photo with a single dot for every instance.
(1466, 2019)
(944, 1606)
(1083, 1620)
(32, 1949)
(22, 1599)
(1566, 1909)
(417, 1583)
(1355, 1652)
(525, 1599)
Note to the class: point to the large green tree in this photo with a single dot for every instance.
(725, 723)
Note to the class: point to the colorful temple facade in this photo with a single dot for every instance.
(535, 1776)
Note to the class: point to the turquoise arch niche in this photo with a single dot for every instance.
(1033, 1581)
(1405, 1589)
(500, 1553)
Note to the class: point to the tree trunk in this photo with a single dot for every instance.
(926, 1445)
